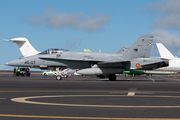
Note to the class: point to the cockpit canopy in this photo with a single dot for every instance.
(53, 51)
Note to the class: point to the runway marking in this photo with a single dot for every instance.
(130, 78)
(24, 100)
(176, 80)
(152, 79)
(131, 92)
(87, 118)
(173, 79)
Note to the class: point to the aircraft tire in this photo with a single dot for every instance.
(45, 74)
(58, 77)
(102, 76)
(112, 77)
(23, 74)
(28, 74)
(17, 74)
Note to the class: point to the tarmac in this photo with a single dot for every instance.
(89, 98)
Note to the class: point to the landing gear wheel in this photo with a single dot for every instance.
(102, 76)
(112, 77)
(58, 77)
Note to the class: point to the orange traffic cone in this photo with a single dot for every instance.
(69, 74)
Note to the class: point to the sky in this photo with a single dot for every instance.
(104, 25)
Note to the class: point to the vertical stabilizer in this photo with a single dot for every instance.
(141, 48)
(123, 50)
(163, 51)
(24, 46)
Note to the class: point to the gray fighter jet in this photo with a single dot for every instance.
(95, 63)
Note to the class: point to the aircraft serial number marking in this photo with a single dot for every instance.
(29, 62)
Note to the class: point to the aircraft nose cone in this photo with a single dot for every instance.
(13, 63)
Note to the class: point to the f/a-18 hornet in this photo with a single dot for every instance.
(96, 63)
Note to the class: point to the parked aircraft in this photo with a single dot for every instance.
(164, 52)
(174, 62)
(95, 63)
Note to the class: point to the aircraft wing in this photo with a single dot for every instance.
(127, 64)
(155, 65)
(102, 64)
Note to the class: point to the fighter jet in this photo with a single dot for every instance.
(96, 63)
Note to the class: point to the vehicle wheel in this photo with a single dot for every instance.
(45, 74)
(28, 74)
(112, 77)
(66, 76)
(58, 77)
(17, 74)
(23, 74)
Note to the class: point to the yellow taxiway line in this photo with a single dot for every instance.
(25, 100)
(85, 118)
(2, 98)
(84, 91)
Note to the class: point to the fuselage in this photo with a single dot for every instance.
(78, 60)
(174, 65)
(70, 59)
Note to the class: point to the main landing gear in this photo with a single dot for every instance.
(58, 77)
(112, 77)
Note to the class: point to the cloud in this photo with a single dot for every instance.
(168, 21)
(73, 44)
(169, 14)
(74, 20)
(169, 40)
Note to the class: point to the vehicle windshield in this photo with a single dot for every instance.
(22, 69)
(53, 51)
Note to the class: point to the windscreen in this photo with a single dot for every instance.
(53, 51)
